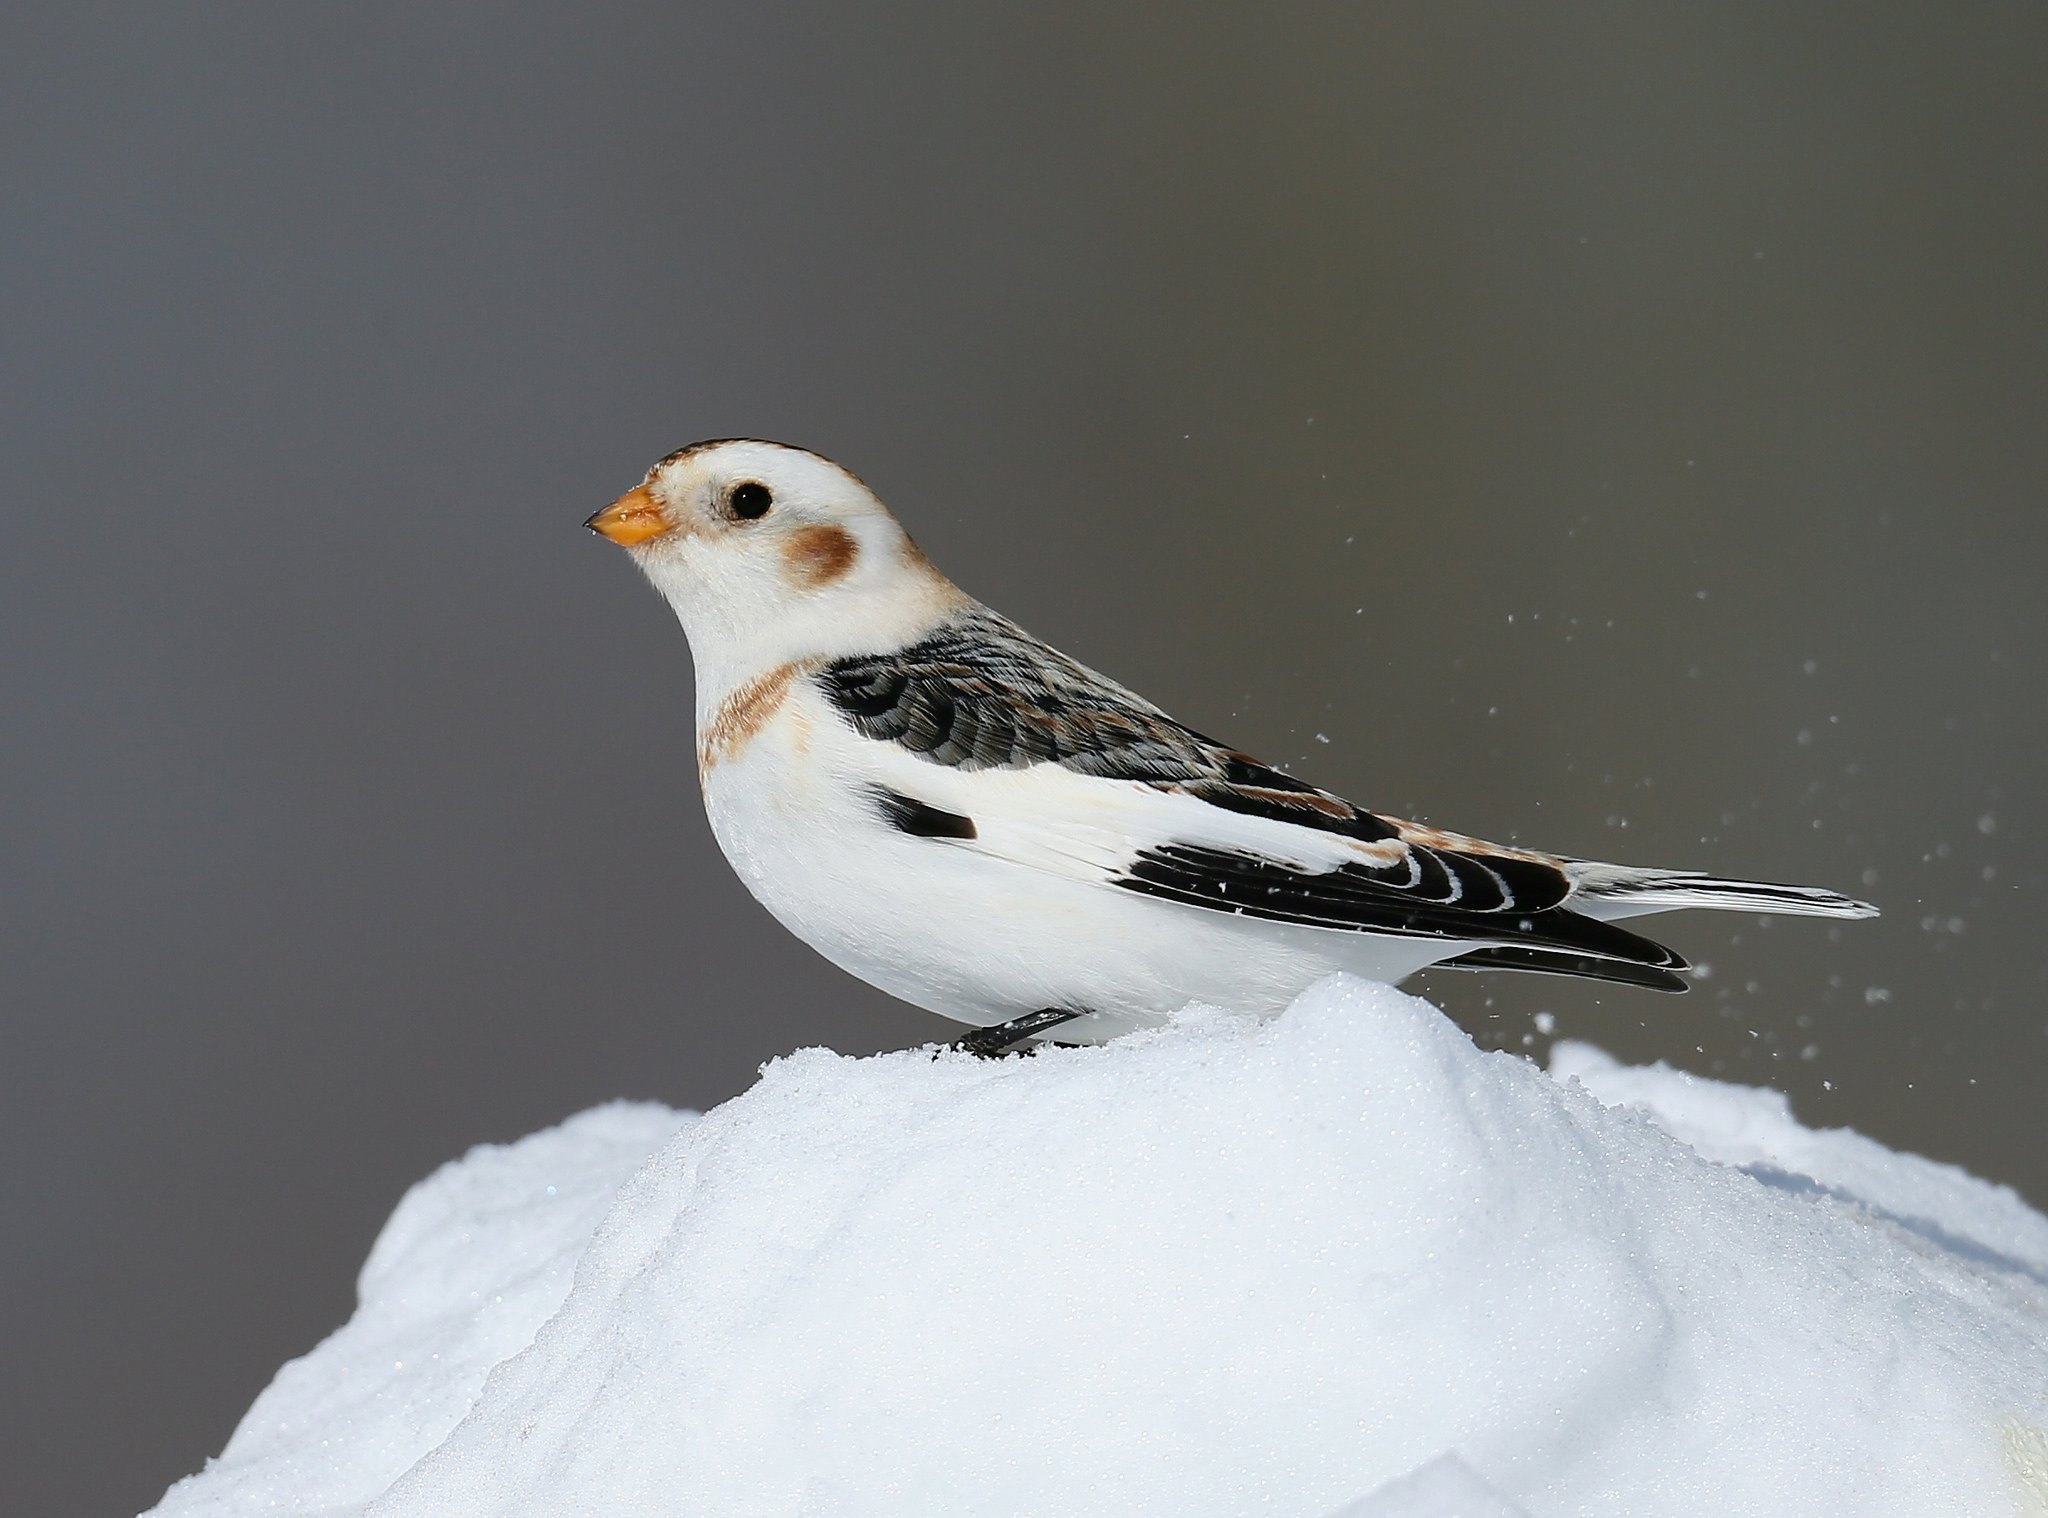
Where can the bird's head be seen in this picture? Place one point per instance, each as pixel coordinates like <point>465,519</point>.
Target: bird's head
<point>769,553</point>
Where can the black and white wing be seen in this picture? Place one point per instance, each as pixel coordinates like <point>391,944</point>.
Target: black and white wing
<point>1074,773</point>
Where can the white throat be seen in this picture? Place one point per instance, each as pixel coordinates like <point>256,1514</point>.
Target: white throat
<point>742,627</point>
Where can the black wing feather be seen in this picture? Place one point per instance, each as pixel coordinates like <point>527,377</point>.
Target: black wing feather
<point>980,693</point>
<point>1226,881</point>
<point>1029,704</point>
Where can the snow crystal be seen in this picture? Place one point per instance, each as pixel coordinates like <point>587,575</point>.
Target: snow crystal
<point>1339,1262</point>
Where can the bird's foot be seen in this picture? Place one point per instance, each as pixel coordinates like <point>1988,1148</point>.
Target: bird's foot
<point>1011,1037</point>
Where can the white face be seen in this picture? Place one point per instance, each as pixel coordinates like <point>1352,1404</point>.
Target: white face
<point>769,553</point>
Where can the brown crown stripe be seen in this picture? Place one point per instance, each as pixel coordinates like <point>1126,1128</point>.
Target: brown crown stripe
<point>690,449</point>
<point>719,442</point>
<point>816,556</point>
<point>741,715</point>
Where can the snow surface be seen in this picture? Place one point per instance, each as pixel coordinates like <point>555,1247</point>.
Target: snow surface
<point>1340,1262</point>
<point>1445,1488</point>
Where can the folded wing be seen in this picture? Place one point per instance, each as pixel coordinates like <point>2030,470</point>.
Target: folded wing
<point>1074,774</point>
<point>1077,775</point>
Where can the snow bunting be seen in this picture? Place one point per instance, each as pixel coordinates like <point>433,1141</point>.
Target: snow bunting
<point>972,821</point>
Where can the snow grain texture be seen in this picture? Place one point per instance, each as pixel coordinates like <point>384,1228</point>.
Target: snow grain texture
<point>1444,1488</point>
<point>1753,1129</point>
<point>1227,1267</point>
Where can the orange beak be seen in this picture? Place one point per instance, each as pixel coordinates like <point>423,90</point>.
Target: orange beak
<point>633,518</point>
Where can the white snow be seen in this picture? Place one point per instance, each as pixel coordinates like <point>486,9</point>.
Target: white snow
<point>1445,1488</point>
<point>1341,1262</point>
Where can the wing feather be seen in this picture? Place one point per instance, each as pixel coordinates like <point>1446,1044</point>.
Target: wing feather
<point>980,694</point>
<point>1171,845</point>
<point>1101,785</point>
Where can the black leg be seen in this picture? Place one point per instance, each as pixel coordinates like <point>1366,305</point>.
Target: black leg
<point>1009,1038</point>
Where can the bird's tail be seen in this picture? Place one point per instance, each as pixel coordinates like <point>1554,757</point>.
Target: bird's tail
<point>1608,891</point>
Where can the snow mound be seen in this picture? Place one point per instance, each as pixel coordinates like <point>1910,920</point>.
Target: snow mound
<point>1336,1262</point>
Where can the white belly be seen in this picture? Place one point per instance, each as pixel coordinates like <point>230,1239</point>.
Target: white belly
<point>980,939</point>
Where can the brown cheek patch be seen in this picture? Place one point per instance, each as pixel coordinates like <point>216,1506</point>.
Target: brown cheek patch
<point>743,714</point>
<point>816,556</point>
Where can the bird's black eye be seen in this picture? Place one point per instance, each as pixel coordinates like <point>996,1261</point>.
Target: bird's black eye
<point>750,501</point>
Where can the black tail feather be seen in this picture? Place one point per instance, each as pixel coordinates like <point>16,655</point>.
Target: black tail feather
<point>1552,962</point>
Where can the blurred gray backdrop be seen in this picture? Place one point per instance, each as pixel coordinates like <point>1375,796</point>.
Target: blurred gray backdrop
<point>1614,427</point>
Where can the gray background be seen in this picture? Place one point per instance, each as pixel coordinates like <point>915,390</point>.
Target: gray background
<point>1617,427</point>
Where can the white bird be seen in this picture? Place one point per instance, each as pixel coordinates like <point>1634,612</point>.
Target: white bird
<point>967,818</point>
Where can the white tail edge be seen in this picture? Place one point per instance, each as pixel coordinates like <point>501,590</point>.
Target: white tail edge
<point>1609,891</point>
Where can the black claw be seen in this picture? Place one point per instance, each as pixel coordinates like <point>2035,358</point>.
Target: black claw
<point>1010,1038</point>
